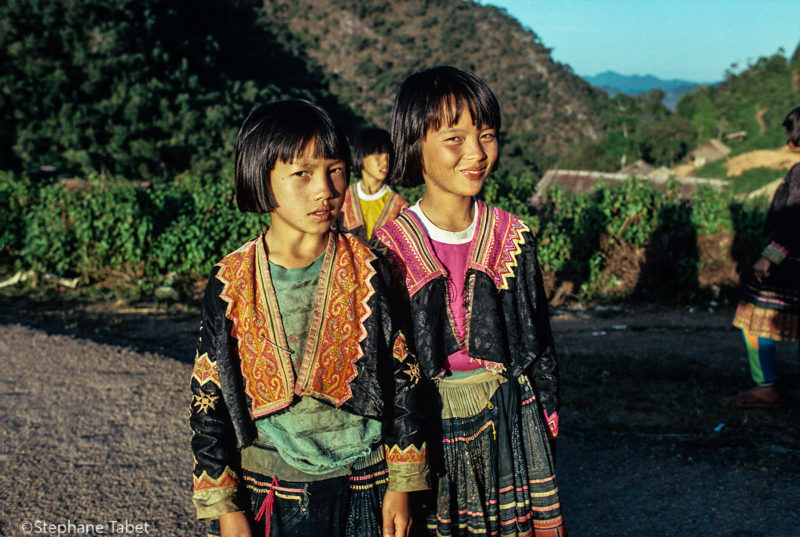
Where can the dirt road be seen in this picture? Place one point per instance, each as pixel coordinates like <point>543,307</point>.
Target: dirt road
<point>95,433</point>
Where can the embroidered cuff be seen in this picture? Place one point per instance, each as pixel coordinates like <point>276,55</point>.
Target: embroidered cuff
<point>211,504</point>
<point>775,252</point>
<point>408,477</point>
<point>408,468</point>
<point>215,497</point>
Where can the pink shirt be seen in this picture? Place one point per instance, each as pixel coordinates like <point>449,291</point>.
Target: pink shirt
<point>453,249</point>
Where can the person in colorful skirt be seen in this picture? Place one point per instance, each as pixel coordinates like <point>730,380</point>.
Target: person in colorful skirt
<point>479,314</point>
<point>304,412</point>
<point>369,203</point>
<point>769,309</point>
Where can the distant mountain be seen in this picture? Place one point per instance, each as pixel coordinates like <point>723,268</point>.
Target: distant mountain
<point>635,84</point>
<point>613,83</point>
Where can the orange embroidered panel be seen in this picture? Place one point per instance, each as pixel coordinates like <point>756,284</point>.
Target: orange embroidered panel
<point>205,482</point>
<point>412,454</point>
<point>348,287</point>
<point>254,329</point>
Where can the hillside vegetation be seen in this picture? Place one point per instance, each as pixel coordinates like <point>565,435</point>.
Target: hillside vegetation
<point>143,99</point>
<point>147,89</point>
<point>368,48</point>
<point>754,100</point>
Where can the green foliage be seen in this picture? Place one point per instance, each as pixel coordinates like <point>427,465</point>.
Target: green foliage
<point>753,179</point>
<point>754,100</point>
<point>578,233</point>
<point>15,199</point>
<point>85,231</point>
<point>666,141</point>
<point>711,211</point>
<point>204,225</point>
<point>139,89</point>
<point>185,226</point>
<point>182,227</point>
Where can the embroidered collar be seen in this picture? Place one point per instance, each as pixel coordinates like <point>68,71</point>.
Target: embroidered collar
<point>494,250</point>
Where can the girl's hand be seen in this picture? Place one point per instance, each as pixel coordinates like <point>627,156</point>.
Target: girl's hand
<point>234,525</point>
<point>761,268</point>
<point>396,514</point>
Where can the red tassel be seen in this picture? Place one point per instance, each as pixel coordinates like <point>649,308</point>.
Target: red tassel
<point>266,506</point>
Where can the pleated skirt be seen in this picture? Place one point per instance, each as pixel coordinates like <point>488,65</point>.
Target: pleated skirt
<point>498,473</point>
<point>771,309</point>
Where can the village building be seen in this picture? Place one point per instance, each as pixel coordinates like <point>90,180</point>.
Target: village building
<point>638,168</point>
<point>710,151</point>
<point>583,181</point>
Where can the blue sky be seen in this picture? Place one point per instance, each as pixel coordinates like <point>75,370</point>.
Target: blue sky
<point>690,40</point>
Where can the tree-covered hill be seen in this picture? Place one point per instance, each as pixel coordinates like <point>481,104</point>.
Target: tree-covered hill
<point>755,100</point>
<point>147,89</point>
<point>368,47</point>
<point>142,89</point>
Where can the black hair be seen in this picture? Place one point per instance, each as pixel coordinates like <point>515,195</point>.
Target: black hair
<point>279,131</point>
<point>792,126</point>
<point>427,100</point>
<point>368,142</point>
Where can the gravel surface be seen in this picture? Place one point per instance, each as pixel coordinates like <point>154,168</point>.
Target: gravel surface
<point>95,433</point>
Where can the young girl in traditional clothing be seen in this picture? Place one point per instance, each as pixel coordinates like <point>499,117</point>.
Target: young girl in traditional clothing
<point>769,310</point>
<point>369,203</point>
<point>479,310</point>
<point>303,410</point>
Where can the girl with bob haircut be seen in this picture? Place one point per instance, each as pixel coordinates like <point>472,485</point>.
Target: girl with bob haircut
<point>479,314</point>
<point>369,203</point>
<point>769,309</point>
<point>304,410</point>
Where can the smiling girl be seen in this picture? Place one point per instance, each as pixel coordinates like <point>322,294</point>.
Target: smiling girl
<point>480,315</point>
<point>304,411</point>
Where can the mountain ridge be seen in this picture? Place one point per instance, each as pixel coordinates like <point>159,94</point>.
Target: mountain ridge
<point>613,82</point>
<point>369,48</point>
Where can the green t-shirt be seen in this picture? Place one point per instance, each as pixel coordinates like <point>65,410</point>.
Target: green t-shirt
<point>311,436</point>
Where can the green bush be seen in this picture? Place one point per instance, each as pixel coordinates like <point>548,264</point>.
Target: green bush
<point>181,227</point>
<point>185,226</point>
<point>577,232</point>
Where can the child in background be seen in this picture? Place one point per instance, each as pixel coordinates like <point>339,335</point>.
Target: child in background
<point>480,315</point>
<point>769,310</point>
<point>303,392</point>
<point>369,203</point>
